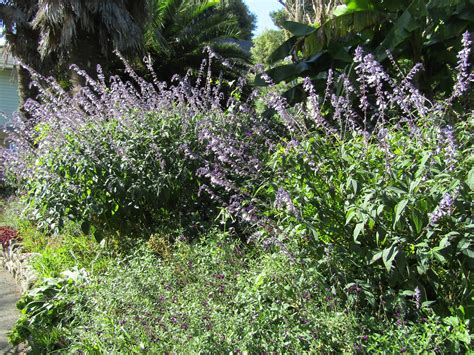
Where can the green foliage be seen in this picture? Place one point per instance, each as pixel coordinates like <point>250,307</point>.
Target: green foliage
<point>218,295</point>
<point>417,31</point>
<point>430,334</point>
<point>394,210</point>
<point>245,18</point>
<point>44,312</point>
<point>66,251</point>
<point>356,210</point>
<point>265,44</point>
<point>179,32</point>
<point>279,17</point>
<point>115,177</point>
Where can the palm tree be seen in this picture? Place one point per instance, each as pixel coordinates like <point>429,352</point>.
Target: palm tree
<point>180,30</point>
<point>86,32</point>
<point>47,34</point>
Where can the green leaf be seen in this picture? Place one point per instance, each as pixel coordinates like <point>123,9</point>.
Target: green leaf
<point>283,51</point>
<point>444,243</point>
<point>417,219</point>
<point>397,190</point>
<point>470,179</point>
<point>281,73</point>
<point>313,45</point>
<point>350,215</point>
<point>357,230</point>
<point>409,21</point>
<point>376,257</point>
<point>298,29</point>
<point>388,256</point>
<point>352,6</point>
<point>86,227</point>
<point>399,210</point>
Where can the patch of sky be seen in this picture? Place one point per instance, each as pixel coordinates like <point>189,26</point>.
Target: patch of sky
<point>262,9</point>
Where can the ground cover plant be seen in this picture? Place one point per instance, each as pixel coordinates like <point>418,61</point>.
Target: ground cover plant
<point>216,295</point>
<point>349,215</point>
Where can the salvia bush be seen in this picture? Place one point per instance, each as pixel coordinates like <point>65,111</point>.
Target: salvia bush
<point>370,173</point>
<point>114,157</point>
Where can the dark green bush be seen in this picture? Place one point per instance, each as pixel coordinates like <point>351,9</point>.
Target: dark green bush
<point>115,174</point>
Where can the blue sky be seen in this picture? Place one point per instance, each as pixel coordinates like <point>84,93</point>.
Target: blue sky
<point>262,9</point>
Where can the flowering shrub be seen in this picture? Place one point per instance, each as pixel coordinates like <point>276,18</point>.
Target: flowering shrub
<point>370,174</point>
<point>374,173</point>
<point>114,157</point>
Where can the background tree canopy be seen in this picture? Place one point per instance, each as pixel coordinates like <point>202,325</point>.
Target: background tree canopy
<point>180,30</point>
<point>265,44</point>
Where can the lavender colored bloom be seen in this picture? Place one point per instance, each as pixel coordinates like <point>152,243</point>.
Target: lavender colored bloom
<point>444,208</point>
<point>464,74</point>
<point>417,297</point>
<point>447,140</point>
<point>283,200</point>
<point>358,347</point>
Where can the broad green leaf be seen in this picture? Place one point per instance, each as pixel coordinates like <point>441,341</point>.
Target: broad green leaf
<point>380,209</point>
<point>339,52</point>
<point>413,185</point>
<point>409,21</point>
<point>469,253</point>
<point>439,257</point>
<point>417,219</point>
<point>295,94</point>
<point>350,215</point>
<point>341,10</point>
<point>422,164</point>
<point>470,179</point>
<point>464,244</point>
<point>352,6</point>
<point>298,29</point>
<point>283,73</point>
<point>444,243</point>
<point>312,45</point>
<point>283,50</point>
<point>422,269</point>
<point>397,190</point>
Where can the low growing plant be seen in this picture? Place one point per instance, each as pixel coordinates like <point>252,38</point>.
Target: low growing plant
<point>219,295</point>
<point>44,312</point>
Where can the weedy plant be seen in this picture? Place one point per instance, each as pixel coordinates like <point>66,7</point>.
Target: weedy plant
<point>44,311</point>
